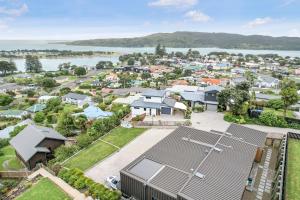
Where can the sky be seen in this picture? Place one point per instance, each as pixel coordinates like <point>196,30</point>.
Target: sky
<point>90,19</point>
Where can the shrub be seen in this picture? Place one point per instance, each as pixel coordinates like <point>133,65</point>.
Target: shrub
<point>198,108</point>
<point>64,152</point>
<point>188,114</point>
<point>76,178</point>
<point>269,118</point>
<point>275,104</point>
<point>39,117</point>
<point>229,117</point>
<point>139,118</point>
<point>84,140</point>
<point>17,130</point>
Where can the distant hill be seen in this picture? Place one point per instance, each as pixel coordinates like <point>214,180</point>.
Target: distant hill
<point>198,39</point>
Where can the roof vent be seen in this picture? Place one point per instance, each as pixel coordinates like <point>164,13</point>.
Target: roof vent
<point>229,134</point>
<point>218,149</point>
<point>201,176</point>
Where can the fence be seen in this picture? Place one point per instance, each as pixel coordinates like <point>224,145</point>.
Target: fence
<point>14,174</point>
<point>162,123</point>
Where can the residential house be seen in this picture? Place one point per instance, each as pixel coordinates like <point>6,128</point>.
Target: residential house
<point>213,81</point>
<point>36,144</point>
<point>77,99</point>
<point>264,81</point>
<point>36,108</point>
<point>112,78</point>
<point>10,87</point>
<point>93,112</point>
<point>18,114</point>
<point>153,102</point>
<point>206,97</point>
<point>45,98</point>
<point>191,164</point>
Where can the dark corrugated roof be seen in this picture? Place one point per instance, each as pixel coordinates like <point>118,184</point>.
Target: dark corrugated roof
<point>225,161</point>
<point>27,141</point>
<point>75,96</point>
<point>247,134</point>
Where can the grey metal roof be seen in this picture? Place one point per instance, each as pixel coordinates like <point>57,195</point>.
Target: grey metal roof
<point>143,104</point>
<point>193,96</point>
<point>154,93</point>
<point>262,96</point>
<point>75,96</point>
<point>225,172</point>
<point>145,169</point>
<point>225,160</point>
<point>213,88</point>
<point>169,102</point>
<point>27,141</point>
<point>248,134</point>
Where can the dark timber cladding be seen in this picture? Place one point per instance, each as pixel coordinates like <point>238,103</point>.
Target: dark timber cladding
<point>192,164</point>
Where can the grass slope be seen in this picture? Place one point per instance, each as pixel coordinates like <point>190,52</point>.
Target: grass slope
<point>293,170</point>
<point>44,189</point>
<point>100,150</point>
<point>10,157</point>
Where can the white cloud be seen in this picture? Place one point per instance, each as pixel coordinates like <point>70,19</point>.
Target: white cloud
<point>294,32</point>
<point>3,25</point>
<point>173,3</point>
<point>258,22</point>
<point>287,2</point>
<point>197,16</point>
<point>14,12</point>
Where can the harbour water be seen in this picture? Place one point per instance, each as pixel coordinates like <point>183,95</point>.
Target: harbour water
<point>52,64</point>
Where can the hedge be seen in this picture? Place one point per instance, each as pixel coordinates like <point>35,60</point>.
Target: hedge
<point>75,177</point>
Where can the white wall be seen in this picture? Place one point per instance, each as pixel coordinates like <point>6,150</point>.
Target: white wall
<point>141,111</point>
<point>153,99</point>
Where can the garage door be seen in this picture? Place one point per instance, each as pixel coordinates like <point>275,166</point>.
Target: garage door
<point>211,107</point>
<point>166,110</point>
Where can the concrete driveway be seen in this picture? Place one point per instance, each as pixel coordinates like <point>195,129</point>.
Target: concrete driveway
<point>117,161</point>
<point>209,120</point>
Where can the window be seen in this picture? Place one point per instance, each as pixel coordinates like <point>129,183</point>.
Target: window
<point>136,108</point>
<point>145,109</point>
<point>154,198</point>
<point>148,97</point>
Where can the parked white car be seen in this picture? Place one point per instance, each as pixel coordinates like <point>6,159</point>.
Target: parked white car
<point>112,182</point>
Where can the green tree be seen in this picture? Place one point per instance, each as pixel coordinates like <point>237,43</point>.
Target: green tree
<point>48,83</point>
<point>250,77</point>
<point>288,93</point>
<point>130,61</point>
<point>80,122</point>
<point>80,71</point>
<point>160,50</point>
<point>39,117</point>
<point>4,67</point>
<point>145,75</point>
<point>65,124</point>
<point>33,64</point>
<point>5,99</point>
<point>53,103</point>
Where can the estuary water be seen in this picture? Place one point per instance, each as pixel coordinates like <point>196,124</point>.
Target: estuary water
<point>52,64</point>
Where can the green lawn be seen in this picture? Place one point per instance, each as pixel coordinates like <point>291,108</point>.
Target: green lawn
<point>100,150</point>
<point>293,170</point>
<point>9,157</point>
<point>44,189</point>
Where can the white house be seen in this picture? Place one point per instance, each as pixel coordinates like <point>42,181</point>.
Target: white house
<point>77,99</point>
<point>153,102</point>
<point>267,82</point>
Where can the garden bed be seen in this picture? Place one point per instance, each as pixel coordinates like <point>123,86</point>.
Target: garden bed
<point>9,161</point>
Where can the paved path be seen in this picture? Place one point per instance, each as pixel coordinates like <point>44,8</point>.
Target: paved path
<point>73,193</point>
<point>117,161</point>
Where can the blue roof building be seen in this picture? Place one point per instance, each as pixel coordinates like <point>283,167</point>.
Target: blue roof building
<point>93,112</point>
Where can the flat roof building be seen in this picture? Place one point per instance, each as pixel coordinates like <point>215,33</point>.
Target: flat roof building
<point>191,164</point>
